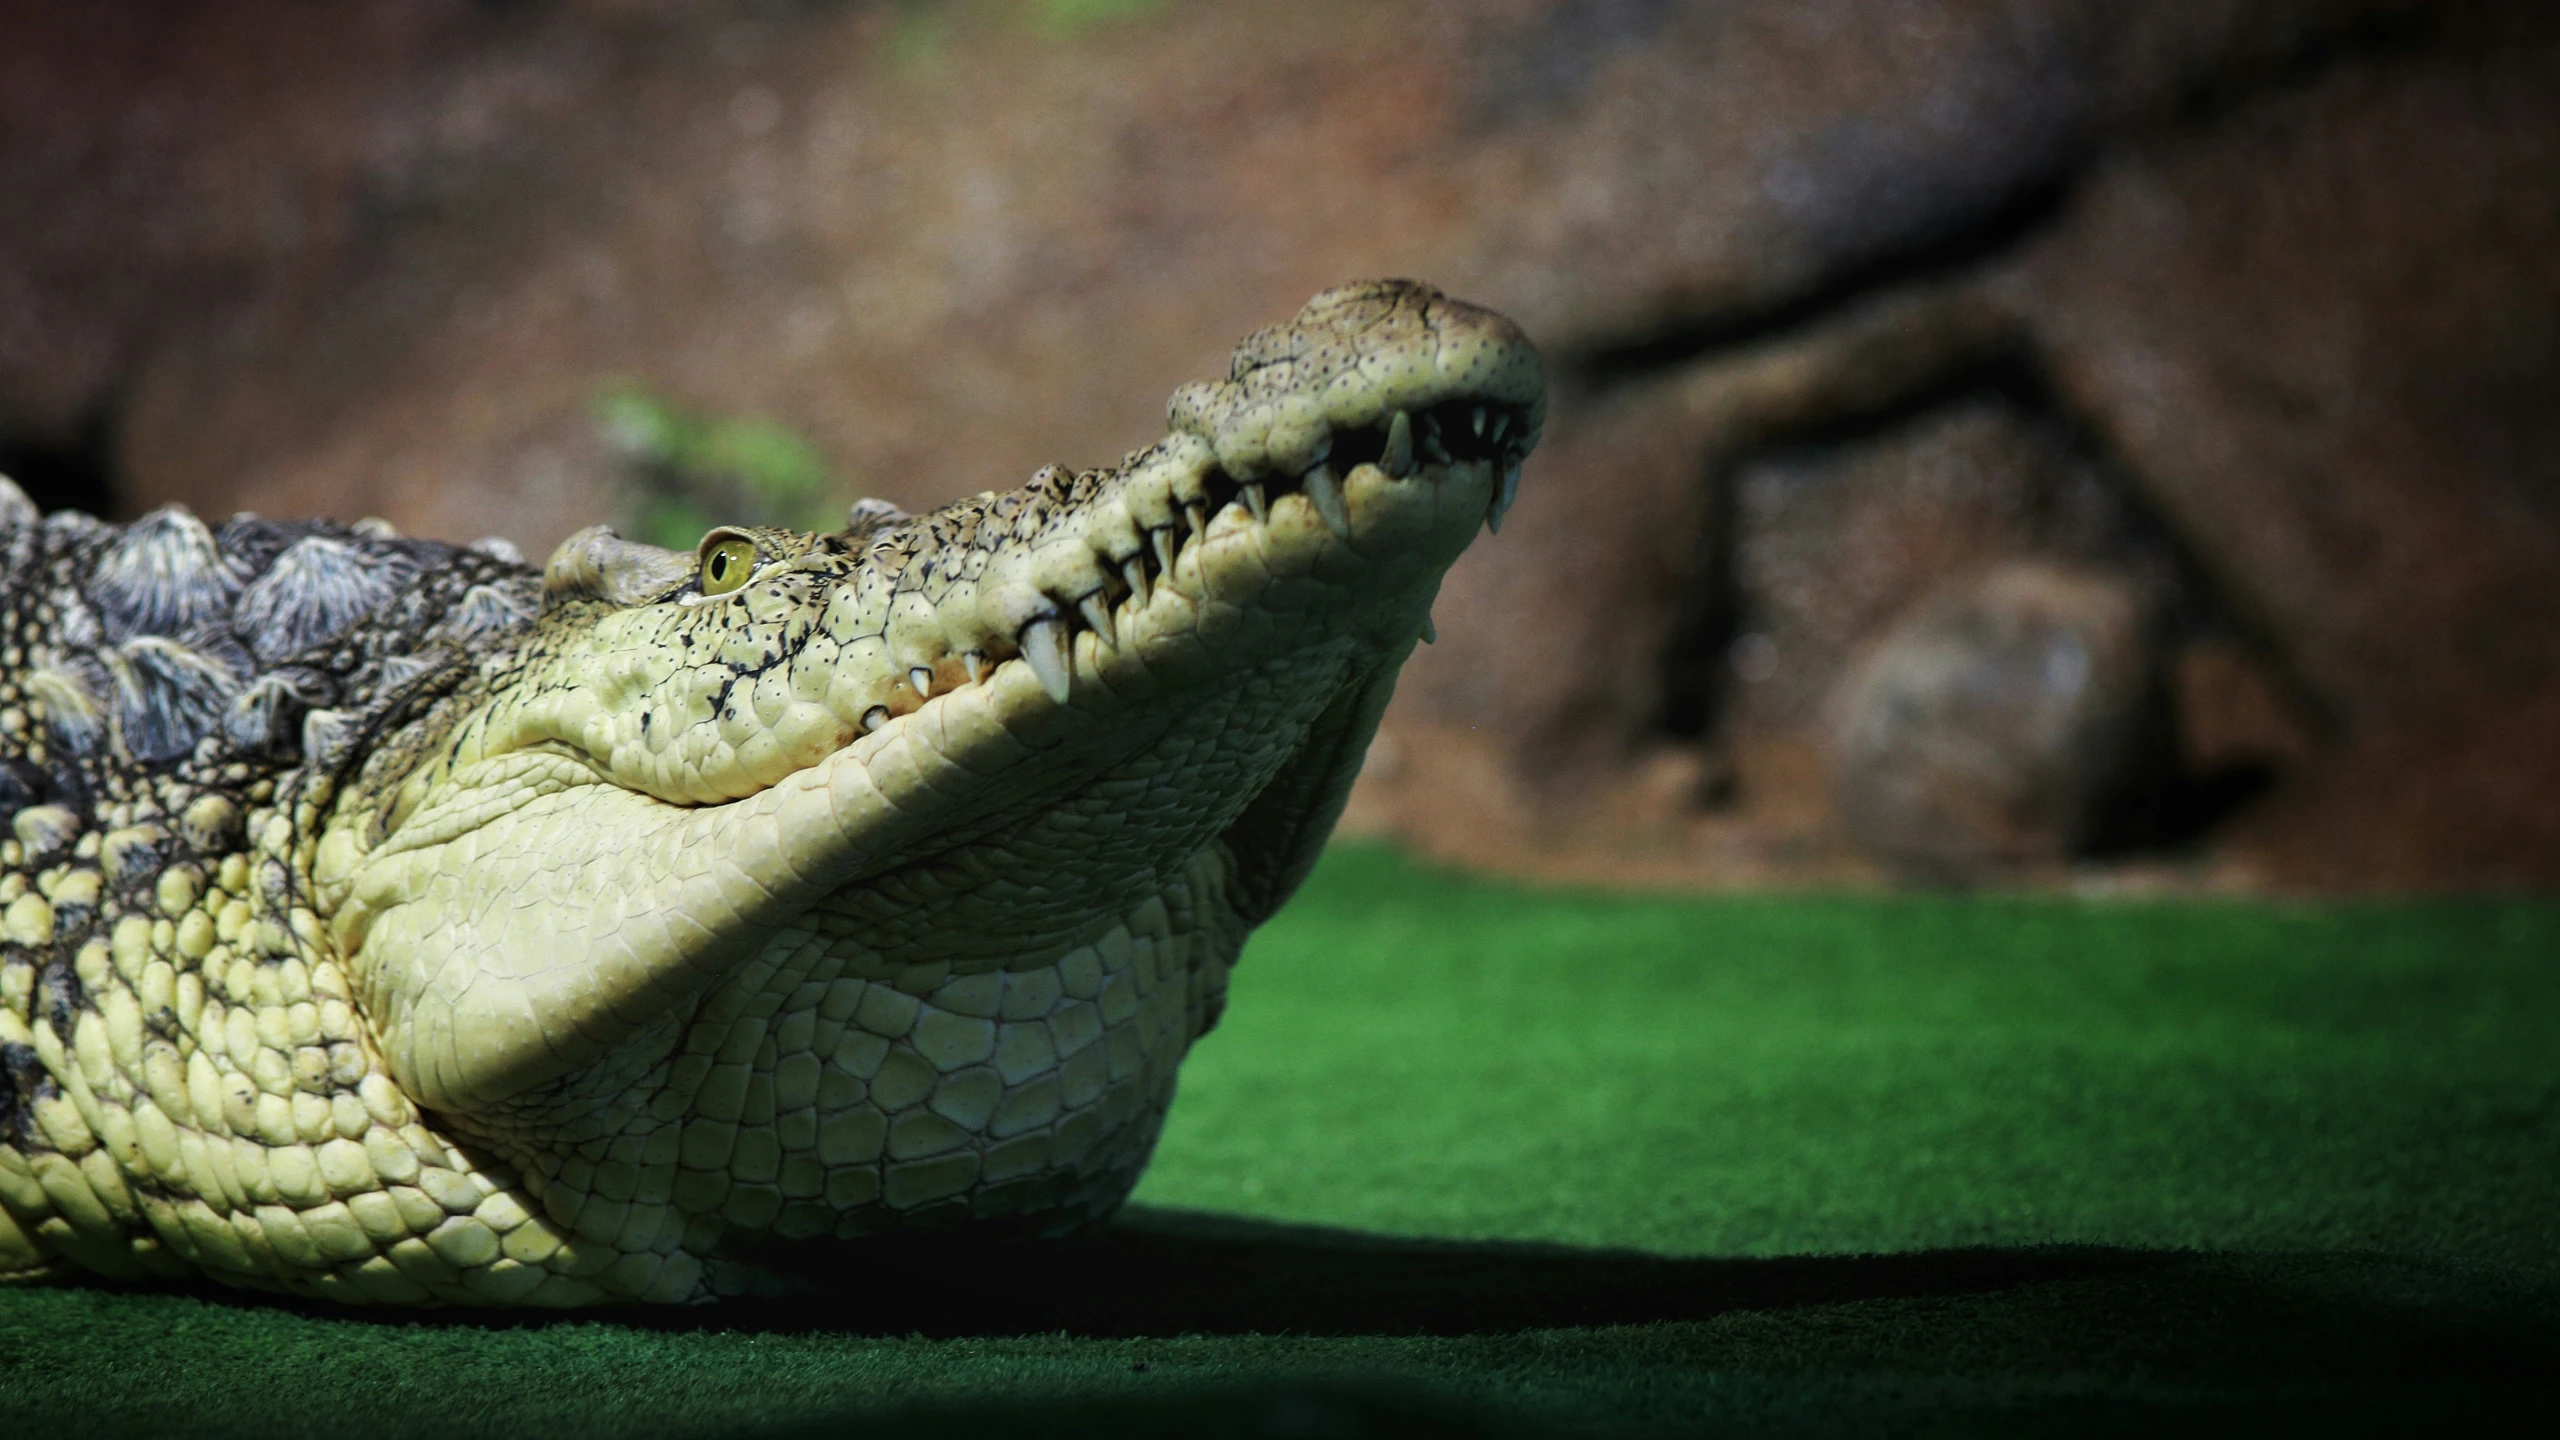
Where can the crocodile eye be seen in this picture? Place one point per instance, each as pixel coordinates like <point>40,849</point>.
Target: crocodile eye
<point>727,565</point>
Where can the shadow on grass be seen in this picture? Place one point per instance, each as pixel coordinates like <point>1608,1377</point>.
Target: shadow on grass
<point>1278,1330</point>
<point>1176,1272</point>
<point>2034,1340</point>
<point>2201,1316</point>
<point>1159,1273</point>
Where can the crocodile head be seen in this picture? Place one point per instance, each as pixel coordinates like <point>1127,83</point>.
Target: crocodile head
<point>882,877</point>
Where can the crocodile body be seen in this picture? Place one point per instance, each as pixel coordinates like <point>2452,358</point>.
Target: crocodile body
<point>395,923</point>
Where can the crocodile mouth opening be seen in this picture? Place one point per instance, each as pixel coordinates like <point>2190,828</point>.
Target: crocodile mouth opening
<point>1455,432</point>
<point>1360,491</point>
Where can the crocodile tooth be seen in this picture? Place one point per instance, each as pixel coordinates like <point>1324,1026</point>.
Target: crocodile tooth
<point>874,718</point>
<point>1430,632</point>
<point>976,663</point>
<point>1475,417</point>
<point>1134,570</point>
<point>1432,447</point>
<point>1502,497</point>
<point>1198,518</point>
<point>1098,615</point>
<point>1044,649</point>
<point>1256,501</point>
<point>1324,488</point>
<point>1163,538</point>
<point>1397,458</point>
<point>922,679</point>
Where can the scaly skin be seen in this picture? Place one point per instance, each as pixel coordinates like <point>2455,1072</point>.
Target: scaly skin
<point>385,922</point>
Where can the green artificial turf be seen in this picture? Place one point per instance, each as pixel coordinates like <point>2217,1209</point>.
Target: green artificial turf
<point>1467,1157</point>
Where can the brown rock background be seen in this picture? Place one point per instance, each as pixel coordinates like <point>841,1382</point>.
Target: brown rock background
<point>1845,304</point>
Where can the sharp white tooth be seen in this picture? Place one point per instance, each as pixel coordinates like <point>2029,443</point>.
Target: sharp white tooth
<point>1197,518</point>
<point>874,718</point>
<point>922,679</point>
<point>1432,448</point>
<point>1503,495</point>
<point>1163,538</point>
<point>976,663</point>
<point>1134,570</point>
<point>1501,427</point>
<point>1475,417</point>
<point>1044,649</point>
<point>1397,458</point>
<point>1324,489</point>
<point>1256,501</point>
<point>1430,632</point>
<point>1098,615</point>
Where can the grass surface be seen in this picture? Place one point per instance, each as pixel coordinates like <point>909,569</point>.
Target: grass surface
<point>1466,1157</point>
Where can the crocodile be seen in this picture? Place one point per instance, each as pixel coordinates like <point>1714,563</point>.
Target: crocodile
<point>389,922</point>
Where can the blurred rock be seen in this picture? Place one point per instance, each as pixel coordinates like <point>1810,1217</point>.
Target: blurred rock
<point>2233,714</point>
<point>1835,542</point>
<point>2324,330</point>
<point>1996,726</point>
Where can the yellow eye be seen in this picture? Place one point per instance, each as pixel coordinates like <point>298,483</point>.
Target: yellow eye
<point>727,565</point>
